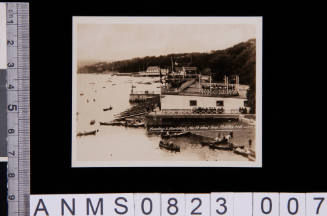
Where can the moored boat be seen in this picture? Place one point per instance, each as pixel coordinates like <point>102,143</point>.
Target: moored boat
<point>245,152</point>
<point>169,146</point>
<point>226,146</point>
<point>176,134</point>
<point>135,124</point>
<point>114,123</point>
<point>106,109</point>
<point>213,142</point>
<point>87,133</point>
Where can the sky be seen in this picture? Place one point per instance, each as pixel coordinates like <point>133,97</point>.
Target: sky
<point>111,42</point>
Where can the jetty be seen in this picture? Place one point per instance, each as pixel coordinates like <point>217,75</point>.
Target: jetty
<point>142,96</point>
<point>162,119</point>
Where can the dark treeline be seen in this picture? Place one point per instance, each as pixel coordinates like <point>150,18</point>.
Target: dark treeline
<point>237,60</point>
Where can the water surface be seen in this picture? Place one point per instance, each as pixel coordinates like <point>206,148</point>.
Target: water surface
<point>115,143</point>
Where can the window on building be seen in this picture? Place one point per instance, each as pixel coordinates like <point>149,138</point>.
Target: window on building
<point>193,103</point>
<point>220,103</point>
<point>246,103</point>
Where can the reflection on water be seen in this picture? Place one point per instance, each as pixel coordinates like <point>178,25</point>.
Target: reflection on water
<point>114,143</point>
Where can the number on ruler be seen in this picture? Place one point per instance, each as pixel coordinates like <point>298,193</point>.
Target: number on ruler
<point>263,209</point>
<point>321,199</point>
<point>222,204</point>
<point>292,204</point>
<point>289,203</point>
<point>10,64</point>
<point>12,107</point>
<point>147,204</point>
<point>265,204</point>
<point>193,212</point>
<point>172,206</point>
<point>11,197</point>
<point>10,86</point>
<point>10,42</point>
<point>11,175</point>
<point>197,204</point>
<point>316,204</point>
<point>143,204</point>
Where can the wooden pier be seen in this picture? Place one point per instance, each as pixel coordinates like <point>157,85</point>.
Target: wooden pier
<point>142,96</point>
<point>173,119</point>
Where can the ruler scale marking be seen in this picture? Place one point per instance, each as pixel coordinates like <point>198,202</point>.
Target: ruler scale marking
<point>18,99</point>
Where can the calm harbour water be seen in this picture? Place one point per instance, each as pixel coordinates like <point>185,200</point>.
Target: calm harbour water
<point>115,143</point>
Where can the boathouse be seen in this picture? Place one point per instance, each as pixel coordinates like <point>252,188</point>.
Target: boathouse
<point>194,96</point>
<point>189,103</point>
<point>153,71</point>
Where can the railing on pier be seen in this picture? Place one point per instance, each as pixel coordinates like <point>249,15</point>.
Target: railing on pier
<point>197,111</point>
<point>219,92</point>
<point>144,92</point>
<point>177,111</point>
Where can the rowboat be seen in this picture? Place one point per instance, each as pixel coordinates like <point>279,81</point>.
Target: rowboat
<point>169,146</point>
<point>87,133</point>
<point>213,142</point>
<point>226,147</point>
<point>106,109</point>
<point>245,152</point>
<point>114,123</point>
<point>139,124</point>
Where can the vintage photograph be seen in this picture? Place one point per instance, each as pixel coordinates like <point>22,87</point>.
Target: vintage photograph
<point>167,92</point>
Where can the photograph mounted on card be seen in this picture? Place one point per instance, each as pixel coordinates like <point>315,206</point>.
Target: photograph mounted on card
<point>167,92</point>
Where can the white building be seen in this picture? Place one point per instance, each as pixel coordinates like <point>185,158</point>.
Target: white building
<point>194,96</point>
<point>153,71</point>
<point>164,71</point>
<point>187,103</point>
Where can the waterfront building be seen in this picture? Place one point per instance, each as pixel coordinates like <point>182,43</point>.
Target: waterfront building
<point>192,95</point>
<point>153,71</point>
<point>188,99</point>
<point>164,71</point>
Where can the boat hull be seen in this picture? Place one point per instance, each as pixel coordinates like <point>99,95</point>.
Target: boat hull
<point>225,147</point>
<point>87,133</point>
<point>169,147</point>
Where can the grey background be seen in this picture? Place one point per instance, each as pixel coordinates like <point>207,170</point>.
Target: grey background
<point>3,114</point>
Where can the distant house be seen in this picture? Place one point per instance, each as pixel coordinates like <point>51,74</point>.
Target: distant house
<point>164,71</point>
<point>153,71</point>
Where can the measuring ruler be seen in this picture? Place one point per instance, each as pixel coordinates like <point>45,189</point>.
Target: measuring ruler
<point>18,108</point>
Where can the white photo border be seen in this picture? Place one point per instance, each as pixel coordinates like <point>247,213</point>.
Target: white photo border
<point>257,20</point>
